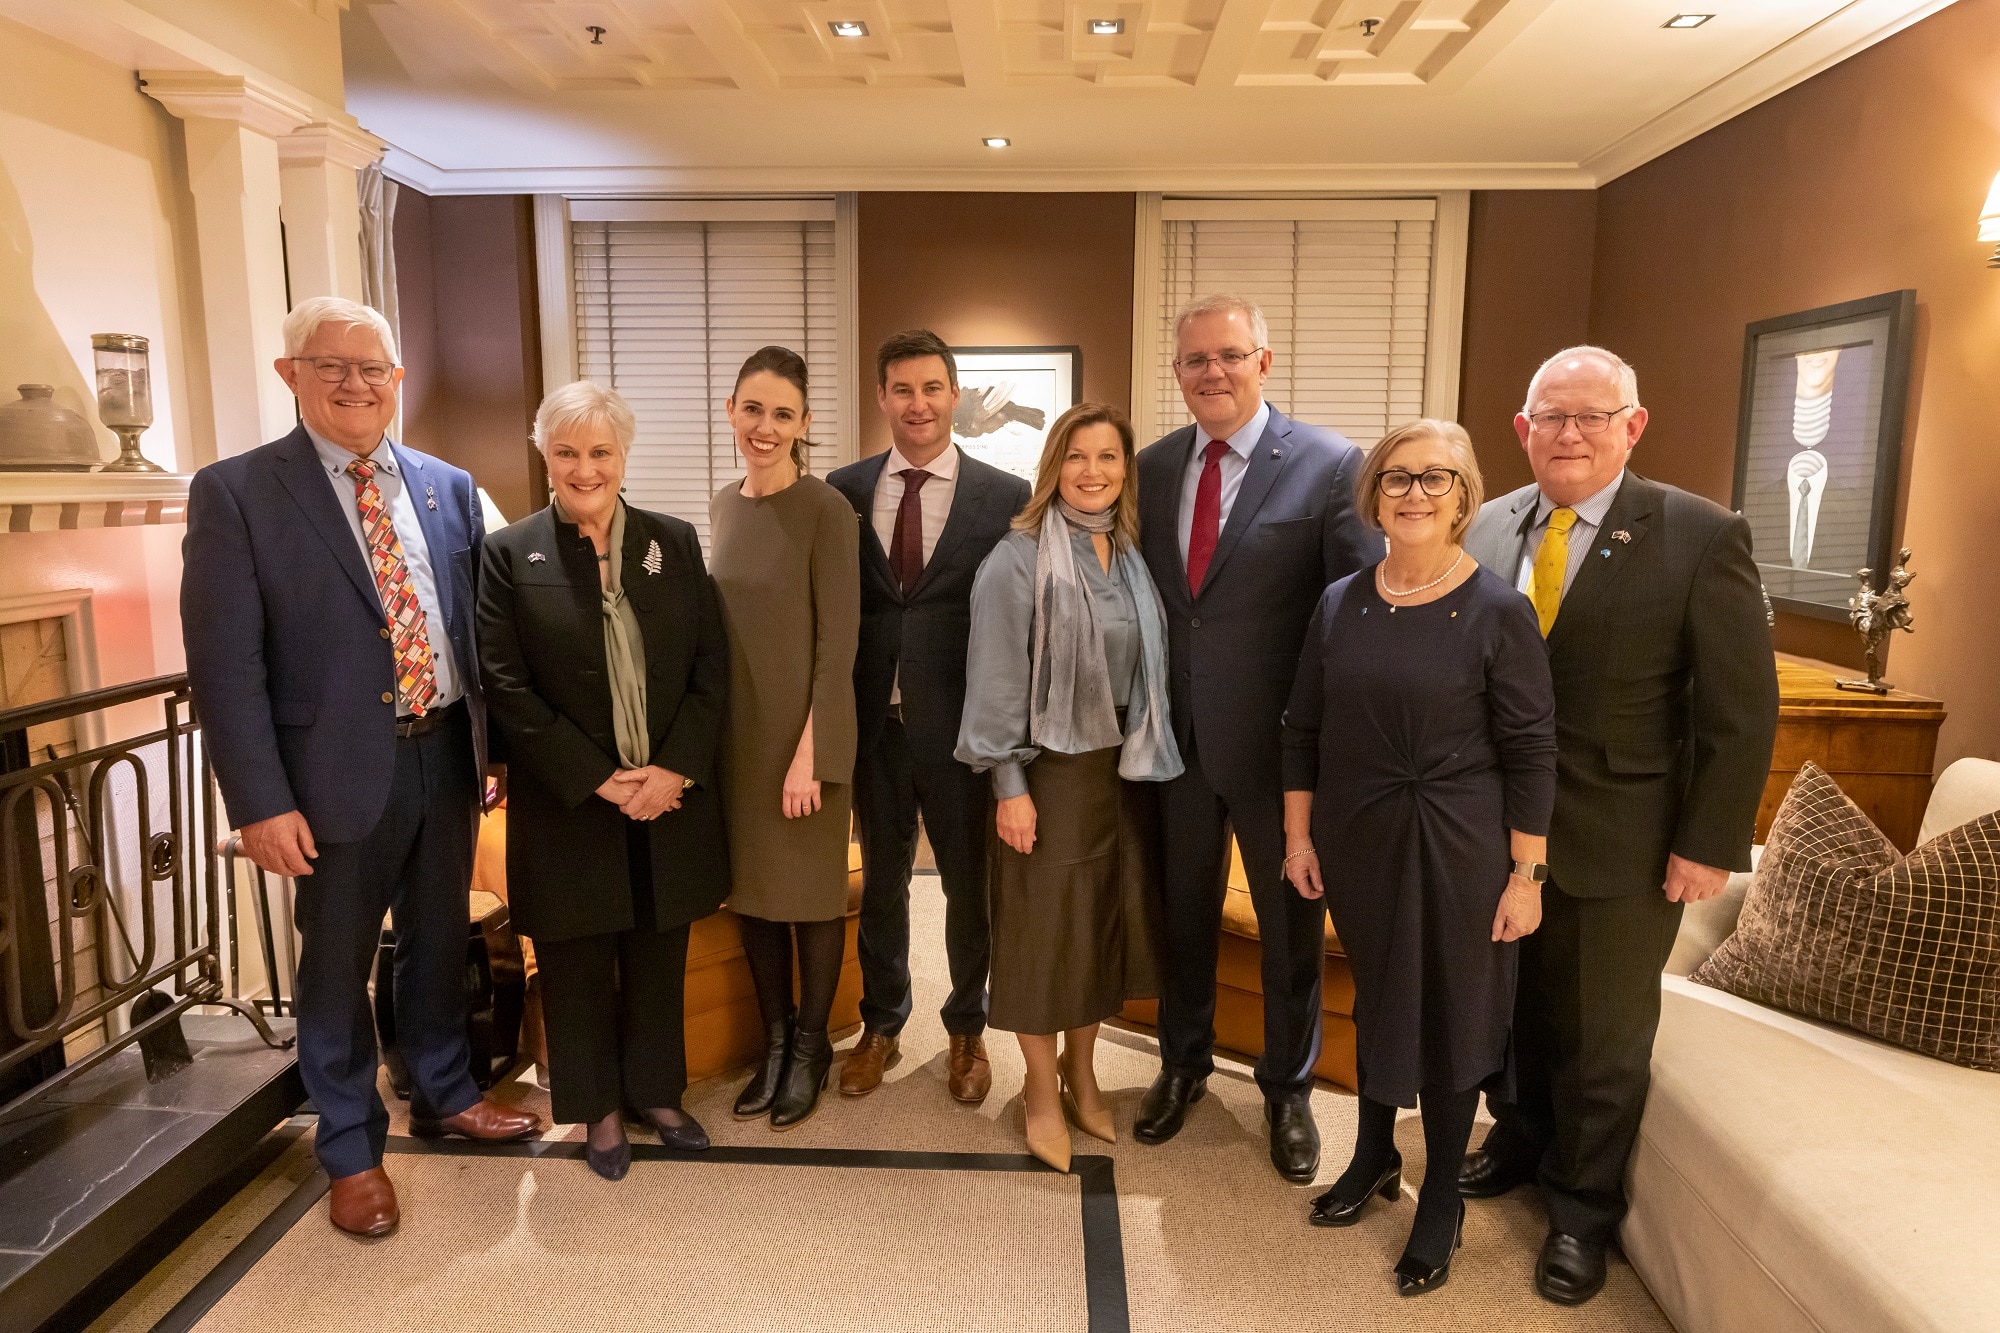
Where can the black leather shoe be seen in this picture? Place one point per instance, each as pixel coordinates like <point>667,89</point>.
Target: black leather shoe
<point>1486,1175</point>
<point>687,1136</point>
<point>612,1163</point>
<point>1414,1277</point>
<point>1570,1270</point>
<point>805,1076</point>
<point>755,1099</point>
<point>1330,1210</point>
<point>1164,1108</point>
<point>1294,1140</point>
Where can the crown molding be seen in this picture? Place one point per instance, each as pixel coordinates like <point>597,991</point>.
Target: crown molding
<point>330,142</point>
<point>237,98</point>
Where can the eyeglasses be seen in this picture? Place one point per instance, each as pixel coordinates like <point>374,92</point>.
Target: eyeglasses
<point>333,369</point>
<point>1195,365</point>
<point>1395,482</point>
<point>1590,423</point>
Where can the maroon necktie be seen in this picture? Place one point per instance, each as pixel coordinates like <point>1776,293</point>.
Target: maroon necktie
<point>1207,526</point>
<point>906,547</point>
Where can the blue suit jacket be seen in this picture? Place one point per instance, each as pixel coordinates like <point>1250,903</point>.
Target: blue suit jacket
<point>292,674</point>
<point>1234,649</point>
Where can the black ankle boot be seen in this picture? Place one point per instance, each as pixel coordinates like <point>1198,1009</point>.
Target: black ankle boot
<point>757,1095</point>
<point>798,1091</point>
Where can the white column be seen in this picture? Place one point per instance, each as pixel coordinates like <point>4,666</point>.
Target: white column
<point>321,208</point>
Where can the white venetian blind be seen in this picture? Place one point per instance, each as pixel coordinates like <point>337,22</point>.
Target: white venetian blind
<point>666,311</point>
<point>1344,284</point>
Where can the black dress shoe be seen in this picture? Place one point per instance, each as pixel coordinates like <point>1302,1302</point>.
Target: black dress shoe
<point>687,1136</point>
<point>755,1099</point>
<point>1294,1140</point>
<point>612,1163</point>
<point>1570,1270</point>
<point>1330,1210</point>
<point>1414,1277</point>
<point>809,1071</point>
<point>1486,1175</point>
<point>1164,1108</point>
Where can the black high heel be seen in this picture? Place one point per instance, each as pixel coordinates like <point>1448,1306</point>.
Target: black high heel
<point>611,1163</point>
<point>810,1069</point>
<point>1414,1277</point>
<point>755,1100</point>
<point>1330,1210</point>
<point>687,1136</point>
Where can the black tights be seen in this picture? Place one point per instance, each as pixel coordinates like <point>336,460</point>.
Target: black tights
<point>1447,1130</point>
<point>767,946</point>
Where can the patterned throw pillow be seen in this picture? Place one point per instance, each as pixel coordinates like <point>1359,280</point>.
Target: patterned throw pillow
<point>1837,926</point>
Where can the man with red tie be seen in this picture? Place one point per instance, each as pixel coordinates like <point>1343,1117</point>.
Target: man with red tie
<point>327,608</point>
<point>1245,517</point>
<point>929,515</point>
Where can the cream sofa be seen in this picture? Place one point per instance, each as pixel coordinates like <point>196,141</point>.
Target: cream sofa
<point>1793,1175</point>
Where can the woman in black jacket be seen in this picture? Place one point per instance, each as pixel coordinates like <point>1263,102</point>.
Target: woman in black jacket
<point>603,652</point>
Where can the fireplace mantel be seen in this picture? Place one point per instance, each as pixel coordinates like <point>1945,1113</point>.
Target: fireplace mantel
<point>66,501</point>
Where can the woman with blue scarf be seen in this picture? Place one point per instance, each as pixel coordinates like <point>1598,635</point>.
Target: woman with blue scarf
<point>1066,706</point>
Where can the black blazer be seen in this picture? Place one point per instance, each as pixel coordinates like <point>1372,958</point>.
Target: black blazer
<point>1666,687</point>
<point>541,650</point>
<point>926,634</point>
<point>1233,651</point>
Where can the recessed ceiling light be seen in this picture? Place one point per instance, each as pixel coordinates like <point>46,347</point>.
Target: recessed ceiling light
<point>996,142</point>
<point>1106,27</point>
<point>848,28</point>
<point>1687,20</point>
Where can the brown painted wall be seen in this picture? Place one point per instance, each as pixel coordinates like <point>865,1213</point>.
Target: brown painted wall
<point>998,270</point>
<point>1864,179</point>
<point>465,274</point>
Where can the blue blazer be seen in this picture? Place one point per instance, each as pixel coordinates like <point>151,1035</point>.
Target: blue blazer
<point>292,674</point>
<point>1234,649</point>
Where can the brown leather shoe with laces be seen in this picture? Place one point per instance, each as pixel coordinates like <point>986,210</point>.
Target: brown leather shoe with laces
<point>971,1076</point>
<point>861,1071</point>
<point>485,1120</point>
<point>364,1204</point>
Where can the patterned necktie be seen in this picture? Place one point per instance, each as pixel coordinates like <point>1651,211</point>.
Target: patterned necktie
<point>1551,562</point>
<point>1206,529</point>
<point>1802,526</point>
<point>906,546</point>
<point>416,675</point>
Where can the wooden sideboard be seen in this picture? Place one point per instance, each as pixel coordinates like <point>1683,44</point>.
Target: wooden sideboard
<point>1878,747</point>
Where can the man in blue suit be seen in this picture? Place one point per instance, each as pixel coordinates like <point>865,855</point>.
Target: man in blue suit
<point>1245,517</point>
<point>327,606</point>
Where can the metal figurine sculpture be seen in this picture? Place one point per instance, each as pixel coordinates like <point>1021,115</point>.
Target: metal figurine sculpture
<point>1876,615</point>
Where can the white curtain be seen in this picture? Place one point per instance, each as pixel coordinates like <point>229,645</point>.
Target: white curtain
<point>378,253</point>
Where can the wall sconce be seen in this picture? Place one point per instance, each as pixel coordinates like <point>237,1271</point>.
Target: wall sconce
<point>1989,222</point>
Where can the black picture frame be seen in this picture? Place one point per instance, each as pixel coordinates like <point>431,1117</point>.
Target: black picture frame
<point>1051,375</point>
<point>1819,447</point>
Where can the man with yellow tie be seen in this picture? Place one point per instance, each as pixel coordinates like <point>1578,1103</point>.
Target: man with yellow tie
<point>1666,708</point>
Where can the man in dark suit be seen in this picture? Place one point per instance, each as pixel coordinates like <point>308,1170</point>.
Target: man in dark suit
<point>929,514</point>
<point>327,606</point>
<point>1666,707</point>
<point>1245,517</point>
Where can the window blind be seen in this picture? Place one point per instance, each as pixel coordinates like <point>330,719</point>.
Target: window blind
<point>1348,301</point>
<point>665,313</point>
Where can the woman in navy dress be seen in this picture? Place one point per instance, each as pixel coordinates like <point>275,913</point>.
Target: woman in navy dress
<point>1420,771</point>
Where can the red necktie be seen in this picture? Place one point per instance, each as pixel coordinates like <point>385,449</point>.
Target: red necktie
<point>1207,526</point>
<point>906,547</point>
<point>416,676</point>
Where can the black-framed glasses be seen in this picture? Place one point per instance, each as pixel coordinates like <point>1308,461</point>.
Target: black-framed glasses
<point>1195,365</point>
<point>1590,423</point>
<point>333,369</point>
<point>1395,482</point>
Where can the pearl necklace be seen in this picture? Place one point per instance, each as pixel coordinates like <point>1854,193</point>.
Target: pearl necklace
<point>1382,580</point>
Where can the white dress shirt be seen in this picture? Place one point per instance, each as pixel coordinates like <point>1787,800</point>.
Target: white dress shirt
<point>933,501</point>
<point>1589,517</point>
<point>416,551</point>
<point>1232,466</point>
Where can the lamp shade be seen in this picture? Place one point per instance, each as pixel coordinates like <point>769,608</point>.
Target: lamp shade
<point>1989,216</point>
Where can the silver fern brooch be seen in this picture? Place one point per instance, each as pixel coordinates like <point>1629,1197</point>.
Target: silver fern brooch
<point>651,564</point>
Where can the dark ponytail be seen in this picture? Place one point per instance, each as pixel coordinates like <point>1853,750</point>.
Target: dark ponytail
<point>789,366</point>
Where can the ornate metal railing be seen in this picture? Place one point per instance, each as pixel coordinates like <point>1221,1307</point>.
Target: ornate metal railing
<point>118,841</point>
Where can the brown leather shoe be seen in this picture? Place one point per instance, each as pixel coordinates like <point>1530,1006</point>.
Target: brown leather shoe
<point>485,1120</point>
<point>971,1075</point>
<point>861,1071</point>
<point>364,1204</point>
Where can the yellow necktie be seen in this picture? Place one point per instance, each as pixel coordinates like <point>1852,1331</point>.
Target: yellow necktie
<point>1551,560</point>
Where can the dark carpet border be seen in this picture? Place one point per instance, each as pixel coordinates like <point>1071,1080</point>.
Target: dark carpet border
<point>1103,1239</point>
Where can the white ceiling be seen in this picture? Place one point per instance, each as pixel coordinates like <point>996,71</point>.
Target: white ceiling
<point>758,95</point>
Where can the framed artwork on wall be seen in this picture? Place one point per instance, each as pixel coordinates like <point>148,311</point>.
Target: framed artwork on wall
<point>1008,397</point>
<point>1819,446</point>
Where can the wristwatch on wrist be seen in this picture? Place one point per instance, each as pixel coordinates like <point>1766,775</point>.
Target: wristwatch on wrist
<point>1538,871</point>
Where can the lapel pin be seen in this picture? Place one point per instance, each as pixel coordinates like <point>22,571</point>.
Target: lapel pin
<point>536,557</point>
<point>651,564</point>
<point>430,497</point>
<point>1606,552</point>
<point>1276,454</point>
<point>1621,536</point>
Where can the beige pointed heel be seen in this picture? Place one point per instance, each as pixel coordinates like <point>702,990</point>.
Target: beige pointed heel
<point>1051,1146</point>
<point>1099,1125</point>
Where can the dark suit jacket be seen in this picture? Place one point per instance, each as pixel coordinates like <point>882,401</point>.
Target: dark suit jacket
<point>287,652</point>
<point>1666,687</point>
<point>1234,650</point>
<point>541,650</point>
<point>927,633</point>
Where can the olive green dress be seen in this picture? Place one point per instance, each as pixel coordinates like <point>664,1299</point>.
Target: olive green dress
<point>788,568</point>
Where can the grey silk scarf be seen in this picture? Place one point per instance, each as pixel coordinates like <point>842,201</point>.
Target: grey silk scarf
<point>1069,698</point>
<point>624,654</point>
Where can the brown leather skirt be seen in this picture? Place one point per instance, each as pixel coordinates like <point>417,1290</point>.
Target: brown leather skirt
<point>1074,922</point>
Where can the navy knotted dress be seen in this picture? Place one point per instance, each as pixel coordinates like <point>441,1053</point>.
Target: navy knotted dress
<point>1425,733</point>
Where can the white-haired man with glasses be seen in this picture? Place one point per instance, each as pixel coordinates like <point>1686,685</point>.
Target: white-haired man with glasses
<point>1666,708</point>
<point>327,610</point>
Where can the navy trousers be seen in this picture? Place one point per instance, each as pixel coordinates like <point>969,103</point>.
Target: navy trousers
<point>416,865</point>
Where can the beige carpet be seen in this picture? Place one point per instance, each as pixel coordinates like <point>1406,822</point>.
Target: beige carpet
<point>1212,1238</point>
